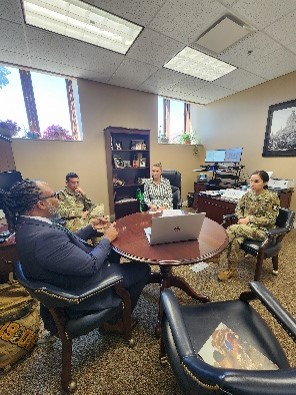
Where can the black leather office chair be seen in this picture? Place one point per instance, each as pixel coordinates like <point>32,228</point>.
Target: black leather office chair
<point>174,177</point>
<point>271,246</point>
<point>185,330</point>
<point>68,326</point>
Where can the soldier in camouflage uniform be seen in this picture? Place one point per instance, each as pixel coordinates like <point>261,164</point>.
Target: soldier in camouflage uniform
<point>257,212</point>
<point>75,208</point>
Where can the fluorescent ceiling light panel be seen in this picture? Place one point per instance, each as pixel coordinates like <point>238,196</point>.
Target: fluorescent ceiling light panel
<point>197,64</point>
<point>83,22</point>
<point>221,36</point>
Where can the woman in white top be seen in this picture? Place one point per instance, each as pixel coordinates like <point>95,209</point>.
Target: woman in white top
<point>157,190</point>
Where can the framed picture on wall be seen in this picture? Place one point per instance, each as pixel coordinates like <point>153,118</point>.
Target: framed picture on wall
<point>280,135</point>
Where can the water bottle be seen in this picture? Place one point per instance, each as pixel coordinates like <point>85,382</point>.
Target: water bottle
<point>140,198</point>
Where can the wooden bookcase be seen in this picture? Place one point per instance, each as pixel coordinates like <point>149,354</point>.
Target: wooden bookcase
<point>128,163</point>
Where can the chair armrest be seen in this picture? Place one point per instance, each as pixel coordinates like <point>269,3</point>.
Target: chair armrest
<point>177,325</point>
<point>275,308</point>
<point>39,288</point>
<point>276,232</point>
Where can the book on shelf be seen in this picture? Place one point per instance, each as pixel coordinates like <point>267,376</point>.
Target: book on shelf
<point>226,349</point>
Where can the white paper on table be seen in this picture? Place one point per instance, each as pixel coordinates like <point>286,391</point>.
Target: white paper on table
<point>171,213</point>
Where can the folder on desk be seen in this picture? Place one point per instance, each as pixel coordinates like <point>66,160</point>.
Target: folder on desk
<point>171,229</point>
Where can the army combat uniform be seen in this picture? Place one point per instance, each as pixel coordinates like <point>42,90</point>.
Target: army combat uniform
<point>262,210</point>
<point>71,207</point>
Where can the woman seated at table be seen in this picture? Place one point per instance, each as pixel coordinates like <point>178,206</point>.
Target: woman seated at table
<point>257,211</point>
<point>158,191</point>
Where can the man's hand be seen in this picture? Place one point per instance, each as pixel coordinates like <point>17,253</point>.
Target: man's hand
<point>244,221</point>
<point>80,191</point>
<point>111,233</point>
<point>153,207</point>
<point>84,214</point>
<point>101,224</point>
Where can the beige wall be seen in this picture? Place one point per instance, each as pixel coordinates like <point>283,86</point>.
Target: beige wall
<point>240,120</point>
<point>101,106</point>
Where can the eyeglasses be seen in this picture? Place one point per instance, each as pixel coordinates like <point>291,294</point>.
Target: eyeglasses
<point>54,195</point>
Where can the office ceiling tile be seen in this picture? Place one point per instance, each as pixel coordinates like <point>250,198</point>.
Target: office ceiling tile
<point>186,20</point>
<point>263,13</point>
<point>189,84</point>
<point>284,30</point>
<point>162,78</point>
<point>9,57</point>
<point>57,68</point>
<point>239,80</point>
<point>51,46</point>
<point>12,37</point>
<point>11,11</point>
<point>132,73</point>
<point>214,92</point>
<point>250,49</point>
<point>137,11</point>
<point>273,65</point>
<point>101,60</point>
<point>292,47</point>
<point>154,48</point>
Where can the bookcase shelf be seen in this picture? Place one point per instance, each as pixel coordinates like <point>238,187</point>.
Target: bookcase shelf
<point>126,167</point>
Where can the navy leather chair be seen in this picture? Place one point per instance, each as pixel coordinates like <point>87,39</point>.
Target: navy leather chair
<point>271,246</point>
<point>68,326</point>
<point>174,177</point>
<point>185,329</point>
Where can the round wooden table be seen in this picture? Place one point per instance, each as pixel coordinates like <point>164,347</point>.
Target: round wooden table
<point>132,244</point>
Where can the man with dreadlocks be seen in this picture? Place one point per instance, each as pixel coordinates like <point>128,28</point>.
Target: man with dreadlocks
<point>51,253</point>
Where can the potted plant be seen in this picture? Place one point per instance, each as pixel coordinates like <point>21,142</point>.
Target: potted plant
<point>185,138</point>
<point>33,134</point>
<point>56,132</point>
<point>9,128</point>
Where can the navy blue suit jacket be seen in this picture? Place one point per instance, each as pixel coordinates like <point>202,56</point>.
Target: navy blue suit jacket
<point>52,254</point>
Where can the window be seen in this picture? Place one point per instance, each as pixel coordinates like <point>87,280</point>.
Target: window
<point>174,126</point>
<point>36,105</point>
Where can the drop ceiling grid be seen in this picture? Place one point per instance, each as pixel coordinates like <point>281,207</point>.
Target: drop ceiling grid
<point>273,65</point>
<point>186,20</point>
<point>154,48</point>
<point>132,73</point>
<point>239,80</point>
<point>263,13</point>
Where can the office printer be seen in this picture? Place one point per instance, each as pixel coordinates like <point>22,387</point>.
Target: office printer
<point>280,183</point>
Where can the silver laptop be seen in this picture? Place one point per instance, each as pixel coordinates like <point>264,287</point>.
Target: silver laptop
<point>170,229</point>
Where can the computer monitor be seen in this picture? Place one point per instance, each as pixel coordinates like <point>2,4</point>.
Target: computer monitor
<point>215,156</point>
<point>233,155</point>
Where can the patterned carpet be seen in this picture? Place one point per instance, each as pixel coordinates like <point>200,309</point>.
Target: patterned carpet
<point>106,365</point>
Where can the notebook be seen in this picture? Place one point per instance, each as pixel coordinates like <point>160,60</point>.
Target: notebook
<point>169,229</point>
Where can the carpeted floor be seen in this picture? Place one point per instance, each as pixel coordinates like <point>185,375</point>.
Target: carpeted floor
<point>106,365</point>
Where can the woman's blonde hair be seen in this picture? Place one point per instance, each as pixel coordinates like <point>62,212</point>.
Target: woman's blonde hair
<point>158,165</point>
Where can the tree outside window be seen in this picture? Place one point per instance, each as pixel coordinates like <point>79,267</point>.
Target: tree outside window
<point>36,105</point>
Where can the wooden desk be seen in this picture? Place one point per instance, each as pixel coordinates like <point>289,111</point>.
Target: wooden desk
<point>216,207</point>
<point>132,244</point>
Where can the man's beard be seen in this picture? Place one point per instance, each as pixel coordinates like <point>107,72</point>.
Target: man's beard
<point>54,214</point>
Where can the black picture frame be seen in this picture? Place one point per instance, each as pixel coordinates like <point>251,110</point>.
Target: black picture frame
<point>280,135</point>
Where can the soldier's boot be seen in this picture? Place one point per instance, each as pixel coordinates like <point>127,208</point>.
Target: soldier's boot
<point>227,274</point>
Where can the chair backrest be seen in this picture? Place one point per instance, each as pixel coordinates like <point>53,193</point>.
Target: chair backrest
<point>174,176</point>
<point>285,219</point>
